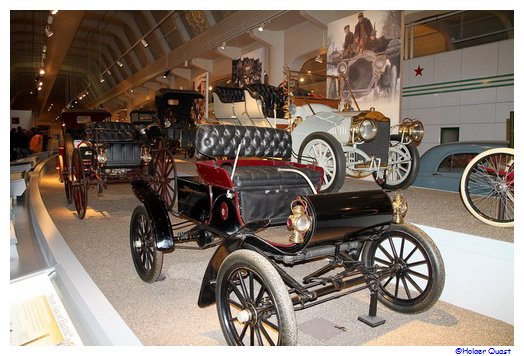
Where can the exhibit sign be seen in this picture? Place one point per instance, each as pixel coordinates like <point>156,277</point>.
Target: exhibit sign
<point>364,52</point>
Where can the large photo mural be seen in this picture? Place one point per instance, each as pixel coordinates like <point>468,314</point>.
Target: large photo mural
<point>248,68</point>
<point>364,53</point>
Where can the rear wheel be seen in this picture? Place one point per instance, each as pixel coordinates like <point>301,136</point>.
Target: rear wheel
<point>417,275</point>
<point>164,176</point>
<point>253,303</point>
<point>147,258</point>
<point>487,187</point>
<point>326,151</point>
<point>79,184</point>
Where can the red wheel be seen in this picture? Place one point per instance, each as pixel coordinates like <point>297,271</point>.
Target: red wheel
<point>79,184</point>
<point>164,177</point>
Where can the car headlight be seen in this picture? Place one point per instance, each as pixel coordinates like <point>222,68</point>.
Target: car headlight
<point>342,68</point>
<point>412,129</point>
<point>101,156</point>
<point>299,221</point>
<point>363,130</point>
<point>145,153</point>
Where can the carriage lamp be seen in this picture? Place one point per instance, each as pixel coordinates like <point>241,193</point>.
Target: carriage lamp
<point>411,129</point>
<point>145,154</point>
<point>101,156</point>
<point>400,207</point>
<point>363,130</point>
<point>299,221</point>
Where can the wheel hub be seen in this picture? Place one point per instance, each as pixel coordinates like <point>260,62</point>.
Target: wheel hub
<point>247,315</point>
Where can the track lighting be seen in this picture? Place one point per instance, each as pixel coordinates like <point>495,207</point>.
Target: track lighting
<point>261,27</point>
<point>223,46</point>
<point>42,71</point>
<point>44,48</point>
<point>102,79</point>
<point>54,12</point>
<point>186,63</point>
<point>48,31</point>
<point>109,72</point>
<point>119,64</point>
<point>144,43</point>
<point>166,74</point>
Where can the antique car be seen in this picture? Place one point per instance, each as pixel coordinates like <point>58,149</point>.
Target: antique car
<point>359,144</point>
<point>97,152</point>
<point>441,166</point>
<point>178,113</point>
<point>264,213</point>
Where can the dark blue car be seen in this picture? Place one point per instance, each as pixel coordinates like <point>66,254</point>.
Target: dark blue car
<point>441,167</point>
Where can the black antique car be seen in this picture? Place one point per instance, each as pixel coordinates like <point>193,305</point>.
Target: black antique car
<point>97,151</point>
<point>265,215</point>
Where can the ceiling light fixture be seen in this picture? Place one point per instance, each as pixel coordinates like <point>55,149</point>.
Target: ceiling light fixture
<point>44,48</point>
<point>144,43</point>
<point>119,64</point>
<point>109,72</point>
<point>186,63</point>
<point>261,27</point>
<point>223,46</point>
<point>42,71</point>
<point>102,79</point>
<point>166,74</point>
<point>54,12</point>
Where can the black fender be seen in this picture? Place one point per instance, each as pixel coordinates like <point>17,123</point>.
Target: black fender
<point>158,213</point>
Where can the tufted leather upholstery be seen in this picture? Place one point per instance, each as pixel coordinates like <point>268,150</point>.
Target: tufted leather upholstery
<point>269,95</point>
<point>110,132</point>
<point>223,141</point>
<point>229,95</point>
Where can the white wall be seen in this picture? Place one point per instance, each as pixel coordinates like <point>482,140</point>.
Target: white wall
<point>25,117</point>
<point>471,88</point>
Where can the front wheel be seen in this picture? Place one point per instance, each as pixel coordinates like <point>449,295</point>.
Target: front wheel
<point>403,161</point>
<point>326,151</point>
<point>253,303</point>
<point>79,184</point>
<point>147,258</point>
<point>411,267</point>
<point>487,187</point>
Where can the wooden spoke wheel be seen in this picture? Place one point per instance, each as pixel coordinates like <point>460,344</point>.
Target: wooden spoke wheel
<point>79,184</point>
<point>164,176</point>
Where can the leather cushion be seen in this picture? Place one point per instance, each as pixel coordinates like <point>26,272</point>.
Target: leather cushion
<point>262,142</point>
<point>229,95</point>
<point>111,132</point>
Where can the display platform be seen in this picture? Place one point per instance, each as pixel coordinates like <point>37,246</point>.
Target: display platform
<point>169,308</point>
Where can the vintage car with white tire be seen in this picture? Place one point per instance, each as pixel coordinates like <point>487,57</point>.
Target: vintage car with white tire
<point>359,144</point>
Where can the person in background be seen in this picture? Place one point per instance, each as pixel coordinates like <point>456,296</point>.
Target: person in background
<point>37,142</point>
<point>348,43</point>
<point>363,30</point>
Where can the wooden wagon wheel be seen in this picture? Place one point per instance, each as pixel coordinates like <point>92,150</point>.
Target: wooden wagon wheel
<point>79,184</point>
<point>164,175</point>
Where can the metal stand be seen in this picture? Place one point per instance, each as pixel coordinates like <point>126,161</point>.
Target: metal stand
<point>372,319</point>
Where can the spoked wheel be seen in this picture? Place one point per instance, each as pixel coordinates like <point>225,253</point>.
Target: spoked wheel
<point>253,302</point>
<point>403,163</point>
<point>416,269</point>
<point>79,184</point>
<point>326,151</point>
<point>487,187</point>
<point>63,176</point>
<point>146,257</point>
<point>164,176</point>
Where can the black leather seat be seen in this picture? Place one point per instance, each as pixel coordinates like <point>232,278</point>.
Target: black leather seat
<point>229,95</point>
<point>269,96</point>
<point>111,132</point>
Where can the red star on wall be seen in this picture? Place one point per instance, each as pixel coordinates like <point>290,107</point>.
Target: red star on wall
<point>418,71</point>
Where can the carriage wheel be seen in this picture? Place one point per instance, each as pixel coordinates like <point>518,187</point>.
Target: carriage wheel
<point>487,187</point>
<point>79,184</point>
<point>164,177</point>
<point>417,269</point>
<point>146,258</point>
<point>403,163</point>
<point>253,303</point>
<point>63,176</point>
<point>326,151</point>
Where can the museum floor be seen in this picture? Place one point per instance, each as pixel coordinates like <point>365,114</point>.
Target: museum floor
<point>166,312</point>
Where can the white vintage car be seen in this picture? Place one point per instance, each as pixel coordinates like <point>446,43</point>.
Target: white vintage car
<point>354,143</point>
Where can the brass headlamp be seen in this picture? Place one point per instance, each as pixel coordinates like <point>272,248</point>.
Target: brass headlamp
<point>299,221</point>
<point>363,130</point>
<point>412,129</point>
<point>101,155</point>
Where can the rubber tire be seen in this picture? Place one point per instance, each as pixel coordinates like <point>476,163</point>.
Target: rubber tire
<point>464,193</point>
<point>147,274</point>
<point>79,190</point>
<point>260,266</point>
<point>432,291</point>
<point>338,154</point>
<point>412,174</point>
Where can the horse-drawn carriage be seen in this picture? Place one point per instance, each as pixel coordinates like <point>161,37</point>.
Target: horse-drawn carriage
<point>264,213</point>
<point>97,152</point>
